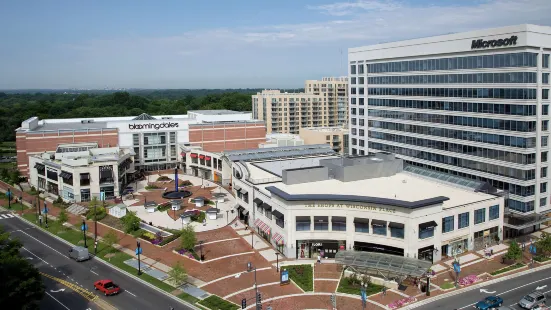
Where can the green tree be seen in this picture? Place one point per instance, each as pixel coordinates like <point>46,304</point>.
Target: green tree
<point>544,244</point>
<point>514,252</point>
<point>131,222</point>
<point>14,176</point>
<point>188,238</point>
<point>62,217</point>
<point>111,238</point>
<point>21,286</point>
<point>178,274</point>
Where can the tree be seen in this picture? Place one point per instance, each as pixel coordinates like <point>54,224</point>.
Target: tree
<point>514,252</point>
<point>131,222</point>
<point>544,244</point>
<point>188,238</point>
<point>14,176</point>
<point>178,274</point>
<point>111,238</point>
<point>62,217</point>
<point>21,286</point>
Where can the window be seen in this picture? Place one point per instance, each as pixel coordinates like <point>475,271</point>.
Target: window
<point>361,225</point>
<point>136,139</point>
<point>545,60</point>
<point>543,187</point>
<point>353,81</point>
<point>545,78</point>
<point>543,172</point>
<point>463,220</point>
<point>84,195</point>
<point>396,230</point>
<point>545,93</point>
<point>361,69</point>
<point>361,80</point>
<point>379,227</point>
<point>426,232</point>
<point>543,156</point>
<point>480,216</point>
<point>321,223</point>
<point>447,224</point>
<point>338,223</point>
<point>543,202</point>
<point>494,212</point>
<point>352,69</point>
<point>544,140</point>
<point>172,137</point>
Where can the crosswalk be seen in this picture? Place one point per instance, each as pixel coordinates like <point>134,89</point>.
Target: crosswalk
<point>5,216</point>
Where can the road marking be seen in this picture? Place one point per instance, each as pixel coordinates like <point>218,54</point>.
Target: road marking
<point>57,300</point>
<point>94,273</point>
<point>44,244</point>
<point>60,290</point>
<point>35,255</point>
<point>130,293</point>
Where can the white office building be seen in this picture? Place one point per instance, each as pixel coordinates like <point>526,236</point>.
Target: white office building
<point>473,104</point>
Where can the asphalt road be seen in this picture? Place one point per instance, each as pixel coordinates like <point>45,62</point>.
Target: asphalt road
<point>511,291</point>
<point>50,256</point>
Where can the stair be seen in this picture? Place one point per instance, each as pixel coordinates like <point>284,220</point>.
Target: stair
<point>76,209</point>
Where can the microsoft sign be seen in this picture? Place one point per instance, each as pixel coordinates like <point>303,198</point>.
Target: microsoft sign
<point>478,44</point>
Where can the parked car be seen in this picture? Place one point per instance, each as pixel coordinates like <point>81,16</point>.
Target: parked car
<point>490,302</point>
<point>79,253</point>
<point>531,300</point>
<point>107,287</point>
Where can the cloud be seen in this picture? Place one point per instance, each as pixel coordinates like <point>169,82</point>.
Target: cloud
<point>352,8</point>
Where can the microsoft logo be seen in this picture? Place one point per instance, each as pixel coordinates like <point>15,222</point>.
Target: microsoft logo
<point>476,44</point>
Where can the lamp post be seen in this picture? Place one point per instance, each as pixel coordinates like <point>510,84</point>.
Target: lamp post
<point>46,213</point>
<point>8,195</point>
<point>201,249</point>
<point>277,261</point>
<point>250,268</point>
<point>227,216</point>
<point>252,239</point>
<point>363,295</point>
<point>84,227</point>
<point>21,202</point>
<point>139,252</point>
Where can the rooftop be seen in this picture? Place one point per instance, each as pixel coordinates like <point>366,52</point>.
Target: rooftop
<point>216,112</point>
<point>275,168</point>
<point>326,129</point>
<point>279,152</point>
<point>76,125</point>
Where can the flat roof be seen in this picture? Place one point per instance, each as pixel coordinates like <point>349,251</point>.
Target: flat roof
<point>69,126</point>
<point>402,189</point>
<point>216,112</point>
<point>276,167</point>
<point>280,152</point>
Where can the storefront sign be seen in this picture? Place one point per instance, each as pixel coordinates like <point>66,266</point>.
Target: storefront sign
<point>153,126</point>
<point>284,277</point>
<point>350,206</point>
<point>477,44</point>
<point>316,244</point>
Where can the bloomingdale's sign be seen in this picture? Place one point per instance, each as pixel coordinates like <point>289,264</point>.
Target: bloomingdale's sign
<point>477,44</point>
<point>155,126</point>
<point>350,206</point>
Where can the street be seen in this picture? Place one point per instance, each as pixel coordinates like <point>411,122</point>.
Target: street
<point>511,291</point>
<point>49,255</point>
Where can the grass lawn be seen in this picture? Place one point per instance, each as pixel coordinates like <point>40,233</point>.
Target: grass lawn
<point>215,302</point>
<point>541,259</point>
<point>447,285</point>
<point>302,275</point>
<point>14,206</point>
<point>348,288</point>
<point>512,267</point>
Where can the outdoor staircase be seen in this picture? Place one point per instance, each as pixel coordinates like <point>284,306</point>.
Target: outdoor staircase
<point>76,209</point>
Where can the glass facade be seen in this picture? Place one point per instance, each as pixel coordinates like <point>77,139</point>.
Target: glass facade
<point>471,78</point>
<point>447,224</point>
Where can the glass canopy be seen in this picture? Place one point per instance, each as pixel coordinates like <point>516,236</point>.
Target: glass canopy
<point>391,265</point>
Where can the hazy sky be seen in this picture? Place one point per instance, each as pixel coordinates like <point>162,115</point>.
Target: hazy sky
<point>219,43</point>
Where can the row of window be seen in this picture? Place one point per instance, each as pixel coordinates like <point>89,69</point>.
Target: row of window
<point>458,162</point>
<point>457,134</point>
<point>474,107</point>
<point>516,158</point>
<point>509,125</point>
<point>512,77</point>
<point>523,59</point>
<point>486,93</point>
<point>448,223</point>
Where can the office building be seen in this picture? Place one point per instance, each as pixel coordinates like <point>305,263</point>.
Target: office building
<point>337,137</point>
<point>473,104</point>
<point>323,103</point>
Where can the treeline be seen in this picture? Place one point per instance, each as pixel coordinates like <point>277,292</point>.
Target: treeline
<point>17,107</point>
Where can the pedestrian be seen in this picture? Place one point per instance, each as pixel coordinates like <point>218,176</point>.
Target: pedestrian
<point>319,259</point>
<point>246,227</point>
<point>384,290</point>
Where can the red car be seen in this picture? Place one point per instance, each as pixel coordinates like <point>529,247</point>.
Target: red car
<point>107,287</point>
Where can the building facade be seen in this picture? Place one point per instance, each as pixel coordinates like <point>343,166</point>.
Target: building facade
<point>320,205</point>
<point>324,103</point>
<point>157,141</point>
<point>78,172</point>
<point>473,104</point>
<point>337,137</point>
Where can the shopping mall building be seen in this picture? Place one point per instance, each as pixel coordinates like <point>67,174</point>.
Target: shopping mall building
<point>156,142</point>
<point>472,104</point>
<point>311,202</point>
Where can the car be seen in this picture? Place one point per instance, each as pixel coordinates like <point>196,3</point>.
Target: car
<point>107,287</point>
<point>490,302</point>
<point>531,300</point>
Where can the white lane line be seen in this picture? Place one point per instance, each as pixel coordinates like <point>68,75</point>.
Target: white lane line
<point>57,300</point>
<point>94,273</point>
<point>130,293</point>
<point>35,255</point>
<point>44,244</point>
<point>10,215</point>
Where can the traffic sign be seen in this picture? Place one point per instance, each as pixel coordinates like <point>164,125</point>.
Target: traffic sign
<point>533,249</point>
<point>83,227</point>
<point>138,251</point>
<point>45,211</point>
<point>456,267</point>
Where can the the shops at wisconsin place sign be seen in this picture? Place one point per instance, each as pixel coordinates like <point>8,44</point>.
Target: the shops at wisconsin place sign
<point>478,44</point>
<point>156,126</point>
<point>350,206</point>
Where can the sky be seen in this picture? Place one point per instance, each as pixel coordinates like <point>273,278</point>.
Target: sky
<point>55,44</point>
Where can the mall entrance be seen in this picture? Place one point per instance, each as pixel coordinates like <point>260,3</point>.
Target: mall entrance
<point>310,249</point>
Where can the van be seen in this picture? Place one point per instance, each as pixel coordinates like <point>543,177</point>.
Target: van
<point>531,300</point>
<point>79,253</point>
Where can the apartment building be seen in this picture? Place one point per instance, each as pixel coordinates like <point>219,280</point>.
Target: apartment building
<point>472,104</point>
<point>337,137</point>
<point>323,103</point>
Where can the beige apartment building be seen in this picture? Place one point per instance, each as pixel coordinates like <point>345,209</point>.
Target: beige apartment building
<point>337,137</point>
<point>324,103</point>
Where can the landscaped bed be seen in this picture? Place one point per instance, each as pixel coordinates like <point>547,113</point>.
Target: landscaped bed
<point>353,285</point>
<point>509,268</point>
<point>215,302</point>
<point>302,275</point>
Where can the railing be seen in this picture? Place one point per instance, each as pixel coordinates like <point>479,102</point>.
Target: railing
<point>264,180</point>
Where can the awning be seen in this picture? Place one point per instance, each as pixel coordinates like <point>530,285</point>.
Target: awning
<point>266,206</point>
<point>245,212</point>
<point>395,225</point>
<point>201,156</point>
<point>149,204</point>
<point>303,219</point>
<point>258,201</point>
<point>378,223</point>
<point>338,219</point>
<point>66,175</point>
<point>207,157</point>
<point>237,187</point>
<point>278,239</point>
<point>321,219</point>
<point>277,214</point>
<point>262,226</point>
<point>105,174</point>
<point>183,154</point>
<point>84,176</point>
<point>193,155</point>
<point>213,210</point>
<point>426,225</point>
<point>39,166</point>
<point>361,220</point>
<point>244,191</point>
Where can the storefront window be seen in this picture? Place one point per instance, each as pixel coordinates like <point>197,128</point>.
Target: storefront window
<point>480,216</point>
<point>426,230</point>
<point>379,227</point>
<point>396,230</point>
<point>494,212</point>
<point>321,223</point>
<point>463,220</point>
<point>85,195</point>
<point>447,224</point>
<point>338,223</point>
<point>361,225</point>
<point>303,223</point>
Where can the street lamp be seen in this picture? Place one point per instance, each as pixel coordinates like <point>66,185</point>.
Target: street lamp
<point>277,261</point>
<point>139,252</point>
<point>46,212</point>
<point>363,294</point>
<point>84,227</point>
<point>21,202</point>
<point>250,268</point>
<point>8,195</point>
<point>252,239</point>
<point>201,249</point>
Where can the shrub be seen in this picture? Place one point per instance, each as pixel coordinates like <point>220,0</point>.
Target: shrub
<point>178,274</point>
<point>163,178</point>
<point>514,252</point>
<point>169,239</point>
<point>62,217</point>
<point>199,217</point>
<point>188,238</point>
<point>148,235</point>
<point>100,213</point>
<point>215,302</point>
<point>131,222</point>
<point>111,238</point>
<point>186,183</point>
<point>151,186</point>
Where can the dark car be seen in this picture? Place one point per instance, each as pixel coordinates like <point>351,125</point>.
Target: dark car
<point>490,302</point>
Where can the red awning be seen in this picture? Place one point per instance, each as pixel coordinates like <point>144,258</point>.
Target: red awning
<point>265,228</point>
<point>183,154</point>
<point>207,157</point>
<point>193,155</point>
<point>201,156</point>
<point>278,238</point>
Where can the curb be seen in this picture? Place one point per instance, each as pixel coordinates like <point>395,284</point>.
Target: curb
<point>117,269</point>
<point>477,286</point>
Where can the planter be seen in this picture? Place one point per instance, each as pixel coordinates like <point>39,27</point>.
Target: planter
<point>402,302</point>
<point>187,254</point>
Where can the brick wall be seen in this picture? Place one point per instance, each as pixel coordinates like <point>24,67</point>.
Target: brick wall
<point>227,137</point>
